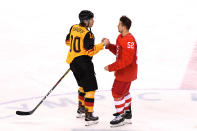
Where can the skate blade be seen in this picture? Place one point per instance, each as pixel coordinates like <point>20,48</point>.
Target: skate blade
<point>80,115</point>
<point>127,121</point>
<point>118,125</point>
<point>89,123</point>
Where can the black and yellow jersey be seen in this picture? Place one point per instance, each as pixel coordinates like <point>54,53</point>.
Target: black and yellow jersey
<point>81,42</point>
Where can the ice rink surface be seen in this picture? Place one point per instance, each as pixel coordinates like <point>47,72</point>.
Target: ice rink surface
<point>161,110</point>
<point>33,55</point>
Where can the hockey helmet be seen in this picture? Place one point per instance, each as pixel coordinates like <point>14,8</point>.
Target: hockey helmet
<point>85,15</point>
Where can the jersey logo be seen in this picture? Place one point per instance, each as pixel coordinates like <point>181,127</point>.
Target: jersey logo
<point>130,45</point>
<point>91,36</point>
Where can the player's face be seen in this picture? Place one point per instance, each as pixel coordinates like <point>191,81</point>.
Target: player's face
<point>120,27</point>
<point>91,22</point>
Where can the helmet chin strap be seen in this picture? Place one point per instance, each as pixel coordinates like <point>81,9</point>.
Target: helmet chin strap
<point>89,24</point>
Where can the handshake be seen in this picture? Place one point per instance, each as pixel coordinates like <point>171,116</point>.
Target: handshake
<point>105,41</point>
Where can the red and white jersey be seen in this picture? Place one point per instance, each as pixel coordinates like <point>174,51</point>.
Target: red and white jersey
<point>125,66</point>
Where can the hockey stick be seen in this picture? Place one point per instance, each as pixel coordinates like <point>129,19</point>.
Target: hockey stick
<point>31,112</point>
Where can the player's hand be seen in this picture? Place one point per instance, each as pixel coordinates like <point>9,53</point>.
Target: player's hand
<point>105,41</point>
<point>106,68</point>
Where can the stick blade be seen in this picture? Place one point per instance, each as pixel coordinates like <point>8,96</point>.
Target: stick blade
<point>23,113</point>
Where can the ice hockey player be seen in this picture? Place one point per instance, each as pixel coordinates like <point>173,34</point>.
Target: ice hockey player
<point>82,48</point>
<point>125,68</point>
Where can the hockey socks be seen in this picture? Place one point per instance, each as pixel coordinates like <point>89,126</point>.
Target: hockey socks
<point>89,101</point>
<point>119,105</point>
<point>128,100</point>
<point>81,107</point>
<point>81,95</point>
<point>86,99</point>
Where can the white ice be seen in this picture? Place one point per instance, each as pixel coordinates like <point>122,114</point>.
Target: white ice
<point>33,57</point>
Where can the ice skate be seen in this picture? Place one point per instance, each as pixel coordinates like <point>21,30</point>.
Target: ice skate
<point>90,119</point>
<point>117,121</point>
<point>81,112</point>
<point>127,115</point>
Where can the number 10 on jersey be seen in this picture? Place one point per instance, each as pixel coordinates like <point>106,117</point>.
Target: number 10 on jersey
<point>75,44</point>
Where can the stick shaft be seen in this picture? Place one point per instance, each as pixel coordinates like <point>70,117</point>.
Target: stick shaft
<point>51,90</point>
<point>31,112</point>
